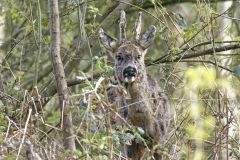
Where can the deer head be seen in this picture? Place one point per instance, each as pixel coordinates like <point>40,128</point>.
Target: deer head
<point>129,55</point>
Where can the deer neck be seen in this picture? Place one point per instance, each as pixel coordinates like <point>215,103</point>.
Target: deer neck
<point>138,90</point>
<point>138,104</point>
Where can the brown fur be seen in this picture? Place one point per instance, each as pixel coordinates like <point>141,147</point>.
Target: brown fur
<point>147,106</point>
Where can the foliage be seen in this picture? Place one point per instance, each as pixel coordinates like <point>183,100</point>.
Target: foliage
<point>195,59</point>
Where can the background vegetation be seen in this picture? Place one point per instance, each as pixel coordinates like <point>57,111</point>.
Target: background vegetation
<point>194,57</point>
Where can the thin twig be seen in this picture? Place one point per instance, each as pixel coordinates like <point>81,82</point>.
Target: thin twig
<point>9,125</point>
<point>9,52</point>
<point>39,44</point>
<point>142,10</point>
<point>174,24</point>
<point>24,133</point>
<point>32,23</point>
<point>206,61</point>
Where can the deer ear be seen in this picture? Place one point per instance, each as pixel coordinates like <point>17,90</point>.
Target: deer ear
<point>147,38</point>
<point>110,43</point>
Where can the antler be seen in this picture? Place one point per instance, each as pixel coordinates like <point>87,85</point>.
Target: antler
<point>122,26</point>
<point>137,28</point>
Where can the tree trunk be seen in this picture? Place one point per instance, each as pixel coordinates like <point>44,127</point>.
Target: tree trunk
<point>62,89</point>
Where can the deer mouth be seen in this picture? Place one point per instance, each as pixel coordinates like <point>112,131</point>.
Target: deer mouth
<point>130,74</point>
<point>129,79</point>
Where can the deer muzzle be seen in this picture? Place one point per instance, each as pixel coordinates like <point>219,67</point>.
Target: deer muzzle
<point>129,74</point>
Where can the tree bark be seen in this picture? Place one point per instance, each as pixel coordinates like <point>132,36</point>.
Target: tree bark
<point>62,89</point>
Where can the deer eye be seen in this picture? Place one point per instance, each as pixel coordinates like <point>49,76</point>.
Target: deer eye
<point>139,56</point>
<point>119,58</point>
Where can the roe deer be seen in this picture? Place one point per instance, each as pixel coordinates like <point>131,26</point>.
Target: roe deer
<point>147,106</point>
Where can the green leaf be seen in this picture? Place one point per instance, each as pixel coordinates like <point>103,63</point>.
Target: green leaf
<point>85,141</point>
<point>127,136</point>
<point>94,59</point>
<point>148,58</point>
<point>45,22</point>
<point>2,128</point>
<point>93,9</point>
<point>95,25</point>
<point>178,69</point>
<point>100,143</point>
<point>67,29</point>
<point>77,153</point>
<point>20,73</point>
<point>70,22</point>
<point>83,105</point>
<point>236,71</point>
<point>139,139</point>
<point>165,36</point>
<point>1,116</point>
<point>93,128</point>
<point>140,130</point>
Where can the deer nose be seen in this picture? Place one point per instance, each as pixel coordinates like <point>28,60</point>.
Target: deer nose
<point>129,71</point>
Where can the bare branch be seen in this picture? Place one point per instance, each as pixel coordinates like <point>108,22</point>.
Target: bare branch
<point>167,58</point>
